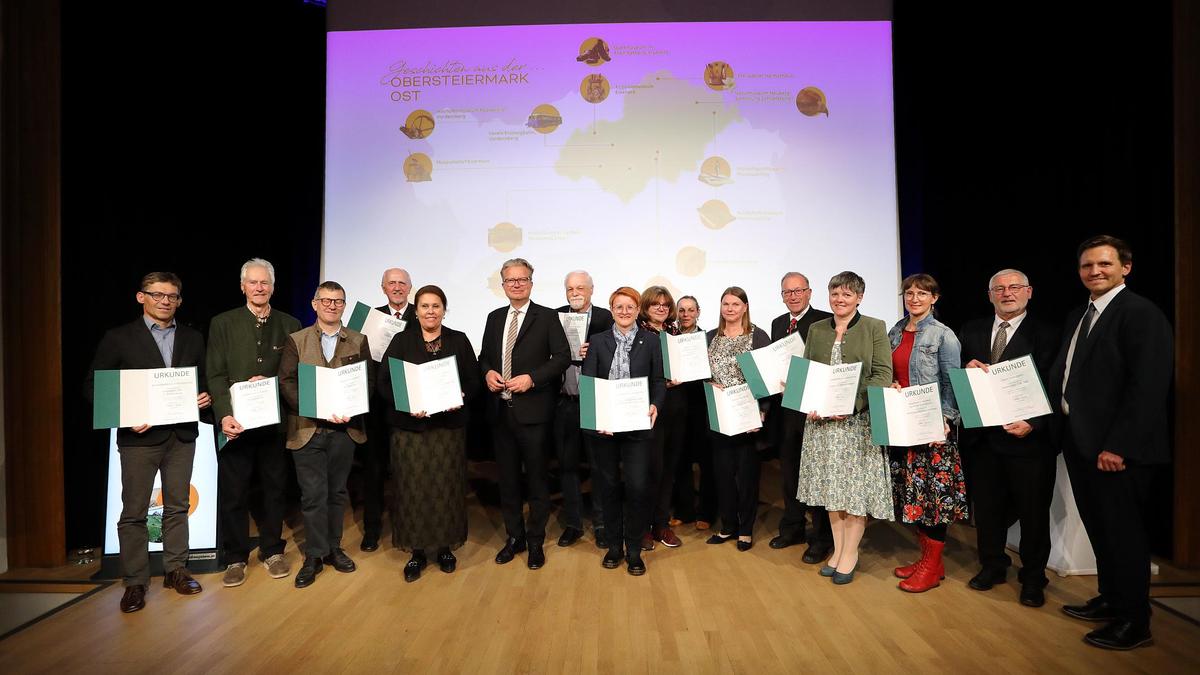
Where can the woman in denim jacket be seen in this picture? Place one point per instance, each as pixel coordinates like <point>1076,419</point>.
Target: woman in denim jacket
<point>927,481</point>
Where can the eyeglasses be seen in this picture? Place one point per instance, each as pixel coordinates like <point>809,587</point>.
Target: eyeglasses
<point>660,305</point>
<point>159,296</point>
<point>517,281</point>
<point>1011,288</point>
<point>917,294</point>
<point>794,291</point>
<point>331,302</point>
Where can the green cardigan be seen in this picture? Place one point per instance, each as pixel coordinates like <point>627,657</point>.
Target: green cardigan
<point>239,349</point>
<point>865,341</point>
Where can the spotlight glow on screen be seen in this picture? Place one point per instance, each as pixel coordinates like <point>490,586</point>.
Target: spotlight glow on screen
<point>693,155</point>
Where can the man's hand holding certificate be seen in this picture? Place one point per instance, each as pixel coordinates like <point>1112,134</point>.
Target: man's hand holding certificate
<point>904,417</point>
<point>1004,392</point>
<point>575,326</point>
<point>379,328</point>
<point>829,391</point>
<point>139,397</point>
<point>256,403</point>
<point>766,368</point>
<point>685,357</point>
<point>334,394</point>
<point>732,410</point>
<point>613,406</point>
<point>427,388</point>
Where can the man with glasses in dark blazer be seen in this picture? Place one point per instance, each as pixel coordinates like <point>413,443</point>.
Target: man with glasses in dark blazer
<point>154,340</point>
<point>1011,469</point>
<point>523,356</point>
<point>796,294</point>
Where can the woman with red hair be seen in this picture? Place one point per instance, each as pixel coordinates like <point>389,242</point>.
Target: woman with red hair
<point>623,459</point>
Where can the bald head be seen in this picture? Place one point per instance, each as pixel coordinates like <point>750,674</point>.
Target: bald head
<point>396,284</point>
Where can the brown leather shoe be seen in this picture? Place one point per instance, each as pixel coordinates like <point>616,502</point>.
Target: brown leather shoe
<point>181,580</point>
<point>134,599</point>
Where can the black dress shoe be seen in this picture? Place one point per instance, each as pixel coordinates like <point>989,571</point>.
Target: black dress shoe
<point>512,547</point>
<point>308,572</point>
<point>815,553</point>
<point>612,559</point>
<point>570,536</point>
<point>412,569</point>
<point>601,538</point>
<point>1096,609</point>
<point>1120,635</point>
<point>719,539</point>
<point>447,562</point>
<point>783,541</point>
<point>1032,595</point>
<point>370,542</point>
<point>181,580</point>
<point>537,557</point>
<point>635,566</point>
<point>744,545</point>
<point>339,561</point>
<point>134,598</point>
<point>987,578</point>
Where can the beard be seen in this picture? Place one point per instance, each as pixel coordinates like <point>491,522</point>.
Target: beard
<point>576,303</point>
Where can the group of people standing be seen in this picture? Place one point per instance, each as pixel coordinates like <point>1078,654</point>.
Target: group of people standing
<point>1108,374</point>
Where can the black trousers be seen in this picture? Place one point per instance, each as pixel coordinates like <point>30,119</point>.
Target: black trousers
<point>139,464</point>
<point>571,448</point>
<point>1005,486</point>
<point>698,451</point>
<point>373,458</point>
<point>735,460</point>
<point>623,466</point>
<point>670,438</point>
<point>792,525</point>
<point>1113,506</point>
<point>236,462</point>
<point>322,466</point>
<point>520,445</point>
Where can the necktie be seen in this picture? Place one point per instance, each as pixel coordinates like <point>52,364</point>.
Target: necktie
<point>509,340</point>
<point>792,326</point>
<point>1085,328</point>
<point>397,315</point>
<point>1000,342</point>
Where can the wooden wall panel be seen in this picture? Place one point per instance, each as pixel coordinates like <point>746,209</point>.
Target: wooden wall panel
<point>30,204</point>
<point>1187,282</point>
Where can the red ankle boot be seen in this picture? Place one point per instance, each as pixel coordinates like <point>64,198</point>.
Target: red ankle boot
<point>930,571</point>
<point>906,571</point>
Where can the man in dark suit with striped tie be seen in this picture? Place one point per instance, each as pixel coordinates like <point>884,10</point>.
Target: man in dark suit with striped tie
<point>1012,468</point>
<point>1111,381</point>
<point>796,293</point>
<point>523,356</point>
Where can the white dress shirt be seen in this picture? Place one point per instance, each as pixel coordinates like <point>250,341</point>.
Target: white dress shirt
<point>1101,303</point>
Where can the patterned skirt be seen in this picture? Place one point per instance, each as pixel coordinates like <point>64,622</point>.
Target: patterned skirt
<point>430,506</point>
<point>842,470</point>
<point>928,484</point>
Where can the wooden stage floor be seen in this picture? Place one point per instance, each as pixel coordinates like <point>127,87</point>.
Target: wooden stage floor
<point>698,609</point>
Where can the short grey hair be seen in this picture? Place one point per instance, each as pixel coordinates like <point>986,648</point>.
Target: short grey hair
<point>516,262</point>
<point>582,273</point>
<point>1003,272</point>
<point>789,275</point>
<point>848,280</point>
<point>258,262</point>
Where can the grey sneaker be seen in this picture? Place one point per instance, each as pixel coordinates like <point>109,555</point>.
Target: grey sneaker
<point>235,575</point>
<point>277,566</point>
